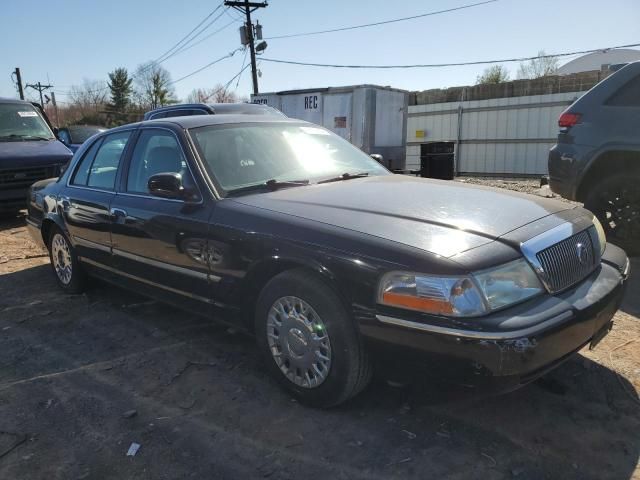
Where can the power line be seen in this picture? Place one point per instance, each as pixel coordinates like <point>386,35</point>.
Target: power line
<point>184,48</point>
<point>189,43</point>
<point>244,59</point>
<point>179,43</point>
<point>383,22</point>
<point>237,75</point>
<point>457,64</point>
<point>229,55</point>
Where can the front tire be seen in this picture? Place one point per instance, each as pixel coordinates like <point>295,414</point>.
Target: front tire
<point>310,343</point>
<point>68,272</point>
<point>616,202</point>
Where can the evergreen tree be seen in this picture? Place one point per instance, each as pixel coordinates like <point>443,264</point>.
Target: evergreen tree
<point>121,89</point>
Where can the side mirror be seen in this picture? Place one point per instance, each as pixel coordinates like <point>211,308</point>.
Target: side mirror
<point>377,157</point>
<point>166,185</point>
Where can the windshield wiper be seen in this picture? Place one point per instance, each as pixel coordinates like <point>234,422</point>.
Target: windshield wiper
<point>13,136</point>
<point>345,176</point>
<point>269,185</point>
<point>36,137</point>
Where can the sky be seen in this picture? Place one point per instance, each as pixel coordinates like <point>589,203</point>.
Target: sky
<point>64,42</point>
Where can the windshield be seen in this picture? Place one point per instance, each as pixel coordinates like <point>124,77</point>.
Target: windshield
<point>237,156</point>
<point>21,121</point>
<point>81,134</point>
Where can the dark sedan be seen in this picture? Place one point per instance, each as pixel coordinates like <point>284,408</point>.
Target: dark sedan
<point>336,265</point>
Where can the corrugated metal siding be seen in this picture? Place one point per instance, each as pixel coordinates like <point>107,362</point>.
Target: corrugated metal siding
<point>390,114</point>
<point>498,136</point>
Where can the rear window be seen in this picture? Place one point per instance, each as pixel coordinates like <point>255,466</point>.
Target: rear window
<point>99,165</point>
<point>628,95</point>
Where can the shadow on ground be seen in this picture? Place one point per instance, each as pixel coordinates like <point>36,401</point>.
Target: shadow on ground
<point>70,366</point>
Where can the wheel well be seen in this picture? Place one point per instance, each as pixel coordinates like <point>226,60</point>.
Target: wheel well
<point>262,275</point>
<point>607,164</point>
<point>45,230</point>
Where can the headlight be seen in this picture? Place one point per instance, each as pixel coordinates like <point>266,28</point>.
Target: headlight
<point>509,283</point>
<point>466,296</point>
<point>450,296</point>
<point>602,236</point>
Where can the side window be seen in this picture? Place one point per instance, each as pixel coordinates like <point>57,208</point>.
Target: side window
<point>628,95</point>
<point>102,173</point>
<point>81,174</point>
<point>64,136</point>
<point>156,151</point>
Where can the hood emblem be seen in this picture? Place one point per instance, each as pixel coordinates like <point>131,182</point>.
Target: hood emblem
<point>581,253</point>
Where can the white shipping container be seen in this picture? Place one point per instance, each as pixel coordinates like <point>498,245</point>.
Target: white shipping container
<point>371,117</point>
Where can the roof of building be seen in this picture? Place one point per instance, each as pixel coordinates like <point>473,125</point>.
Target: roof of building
<point>596,60</point>
<point>345,88</point>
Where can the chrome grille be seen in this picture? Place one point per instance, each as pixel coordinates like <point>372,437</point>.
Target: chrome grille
<point>567,262</point>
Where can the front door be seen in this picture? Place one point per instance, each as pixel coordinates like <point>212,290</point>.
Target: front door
<point>87,198</point>
<point>162,242</point>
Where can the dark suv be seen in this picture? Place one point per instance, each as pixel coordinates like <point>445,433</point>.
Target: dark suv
<point>29,151</point>
<point>597,157</point>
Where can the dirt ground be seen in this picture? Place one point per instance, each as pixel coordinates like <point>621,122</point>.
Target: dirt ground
<point>83,377</point>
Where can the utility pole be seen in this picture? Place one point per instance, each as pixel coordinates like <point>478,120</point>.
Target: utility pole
<point>247,7</point>
<point>55,107</point>
<point>40,88</point>
<point>19,82</point>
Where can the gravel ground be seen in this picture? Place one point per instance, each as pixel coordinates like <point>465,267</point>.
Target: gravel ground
<point>529,185</point>
<point>83,377</point>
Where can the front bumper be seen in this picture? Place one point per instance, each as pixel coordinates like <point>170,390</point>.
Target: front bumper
<point>522,342</point>
<point>12,199</point>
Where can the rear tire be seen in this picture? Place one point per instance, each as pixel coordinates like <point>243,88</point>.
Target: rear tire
<point>69,274</point>
<point>616,202</point>
<point>310,344</point>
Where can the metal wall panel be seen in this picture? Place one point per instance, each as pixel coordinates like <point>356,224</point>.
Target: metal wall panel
<point>304,106</point>
<point>502,136</point>
<point>336,115</point>
<point>390,115</point>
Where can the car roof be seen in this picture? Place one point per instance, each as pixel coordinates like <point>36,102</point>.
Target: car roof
<point>206,120</point>
<point>14,100</point>
<point>93,127</point>
<point>218,108</point>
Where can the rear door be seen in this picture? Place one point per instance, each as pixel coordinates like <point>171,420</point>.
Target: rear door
<point>162,242</point>
<point>87,197</point>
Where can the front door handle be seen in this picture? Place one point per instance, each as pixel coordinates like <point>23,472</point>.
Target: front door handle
<point>65,202</point>
<point>117,214</point>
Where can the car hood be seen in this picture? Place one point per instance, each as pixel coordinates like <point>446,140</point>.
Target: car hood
<point>32,153</point>
<point>441,217</point>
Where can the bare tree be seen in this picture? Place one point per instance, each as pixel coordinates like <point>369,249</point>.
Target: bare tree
<point>88,100</point>
<point>217,94</point>
<point>539,67</point>
<point>492,75</point>
<point>153,86</point>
